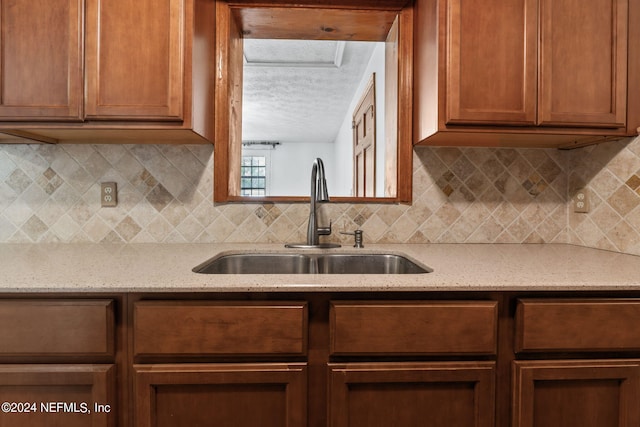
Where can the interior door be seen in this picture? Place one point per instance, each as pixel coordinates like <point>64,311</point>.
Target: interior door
<point>364,143</point>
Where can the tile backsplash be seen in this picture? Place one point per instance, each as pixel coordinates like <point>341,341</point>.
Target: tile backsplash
<point>610,174</point>
<point>50,193</point>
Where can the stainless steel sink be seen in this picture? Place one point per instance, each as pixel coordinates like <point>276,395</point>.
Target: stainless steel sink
<point>256,264</point>
<point>368,264</point>
<point>289,263</point>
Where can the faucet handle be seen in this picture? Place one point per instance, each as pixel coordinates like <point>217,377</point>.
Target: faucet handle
<point>325,231</point>
<point>357,237</point>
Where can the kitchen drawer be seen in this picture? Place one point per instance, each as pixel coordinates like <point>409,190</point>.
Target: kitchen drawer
<point>577,325</point>
<point>207,328</point>
<point>41,328</point>
<point>413,328</point>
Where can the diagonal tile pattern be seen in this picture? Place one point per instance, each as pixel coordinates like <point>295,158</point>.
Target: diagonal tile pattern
<point>610,174</point>
<point>473,195</point>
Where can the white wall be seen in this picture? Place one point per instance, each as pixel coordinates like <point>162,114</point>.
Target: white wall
<point>344,140</point>
<point>290,171</point>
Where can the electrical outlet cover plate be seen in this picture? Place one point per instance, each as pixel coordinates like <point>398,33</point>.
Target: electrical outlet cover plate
<point>108,194</point>
<point>581,201</point>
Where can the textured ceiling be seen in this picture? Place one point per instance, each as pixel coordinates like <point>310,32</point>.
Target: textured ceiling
<point>299,90</point>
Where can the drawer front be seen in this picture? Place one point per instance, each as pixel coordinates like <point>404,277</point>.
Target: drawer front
<point>196,328</point>
<point>403,328</point>
<point>577,325</point>
<point>42,328</point>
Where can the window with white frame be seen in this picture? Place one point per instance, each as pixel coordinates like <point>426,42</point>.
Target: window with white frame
<point>254,175</point>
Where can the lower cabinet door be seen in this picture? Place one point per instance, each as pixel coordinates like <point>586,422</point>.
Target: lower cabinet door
<point>57,395</point>
<point>585,393</point>
<point>434,394</point>
<point>237,395</point>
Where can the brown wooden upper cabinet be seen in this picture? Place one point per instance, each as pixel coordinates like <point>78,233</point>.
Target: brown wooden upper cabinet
<point>525,72</point>
<point>41,54</point>
<point>134,60</point>
<point>122,69</point>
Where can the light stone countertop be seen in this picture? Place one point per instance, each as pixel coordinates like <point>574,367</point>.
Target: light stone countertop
<point>167,268</point>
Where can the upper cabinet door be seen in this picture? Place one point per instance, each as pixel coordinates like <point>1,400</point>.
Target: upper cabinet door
<point>134,60</point>
<point>41,60</point>
<point>583,66</point>
<point>491,62</point>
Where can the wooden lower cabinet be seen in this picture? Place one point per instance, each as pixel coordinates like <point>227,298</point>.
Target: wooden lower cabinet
<point>57,395</point>
<point>585,393</point>
<point>230,363</point>
<point>413,328</point>
<point>58,329</point>
<point>503,359</point>
<point>437,394</point>
<point>59,362</point>
<point>577,325</point>
<point>238,395</point>
<point>588,391</point>
<point>177,329</point>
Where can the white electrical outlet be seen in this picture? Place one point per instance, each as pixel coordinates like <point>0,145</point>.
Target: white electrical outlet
<point>581,201</point>
<point>108,194</point>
